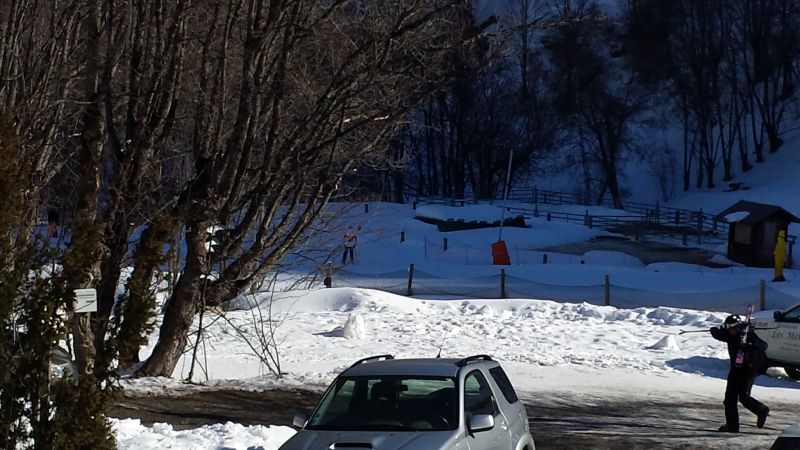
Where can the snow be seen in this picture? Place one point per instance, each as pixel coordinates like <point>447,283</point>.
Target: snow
<point>575,346</point>
<point>737,216</point>
<point>132,435</point>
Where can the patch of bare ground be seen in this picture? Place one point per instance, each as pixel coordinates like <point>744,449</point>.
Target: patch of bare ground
<point>647,252</point>
<point>557,422</point>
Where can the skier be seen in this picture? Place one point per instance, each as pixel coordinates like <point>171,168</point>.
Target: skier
<point>742,373</point>
<point>350,241</point>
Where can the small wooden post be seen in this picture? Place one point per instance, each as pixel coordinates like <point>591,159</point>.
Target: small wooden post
<point>502,283</point>
<point>366,208</point>
<point>410,279</point>
<point>607,291</point>
<point>544,258</point>
<point>402,236</point>
<point>444,244</point>
<point>548,217</point>
<point>762,295</point>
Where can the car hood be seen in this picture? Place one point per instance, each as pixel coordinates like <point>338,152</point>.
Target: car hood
<point>382,440</point>
<point>764,315</point>
<point>792,431</point>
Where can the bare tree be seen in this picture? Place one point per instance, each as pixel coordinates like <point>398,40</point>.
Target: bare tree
<point>290,95</point>
<point>767,32</point>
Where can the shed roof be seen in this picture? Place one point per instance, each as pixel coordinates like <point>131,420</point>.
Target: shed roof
<point>756,212</point>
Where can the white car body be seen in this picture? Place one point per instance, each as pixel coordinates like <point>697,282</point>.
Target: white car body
<point>781,331</point>
<point>506,429</point>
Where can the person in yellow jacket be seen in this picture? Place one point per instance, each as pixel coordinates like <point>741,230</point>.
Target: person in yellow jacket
<point>780,255</point>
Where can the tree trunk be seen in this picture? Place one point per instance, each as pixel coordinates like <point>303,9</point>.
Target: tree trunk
<point>137,309</point>
<point>110,271</point>
<point>82,258</point>
<point>181,307</point>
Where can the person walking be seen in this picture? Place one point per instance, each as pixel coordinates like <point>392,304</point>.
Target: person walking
<point>350,241</point>
<point>743,371</point>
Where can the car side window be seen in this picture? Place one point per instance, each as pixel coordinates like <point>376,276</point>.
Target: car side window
<point>478,397</point>
<point>792,315</point>
<point>500,377</point>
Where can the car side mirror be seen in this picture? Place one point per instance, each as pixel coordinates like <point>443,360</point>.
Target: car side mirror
<point>778,315</point>
<point>481,422</point>
<point>300,419</point>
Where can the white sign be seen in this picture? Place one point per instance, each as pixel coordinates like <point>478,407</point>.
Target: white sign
<point>85,300</point>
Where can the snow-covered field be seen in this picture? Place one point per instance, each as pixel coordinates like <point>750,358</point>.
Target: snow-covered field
<point>547,347</point>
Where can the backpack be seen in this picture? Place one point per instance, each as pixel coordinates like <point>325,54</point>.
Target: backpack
<point>756,354</point>
<point>757,360</point>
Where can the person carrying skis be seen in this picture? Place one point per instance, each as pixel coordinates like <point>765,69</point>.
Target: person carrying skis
<point>745,367</point>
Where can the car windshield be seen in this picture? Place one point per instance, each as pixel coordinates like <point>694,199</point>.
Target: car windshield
<point>388,403</point>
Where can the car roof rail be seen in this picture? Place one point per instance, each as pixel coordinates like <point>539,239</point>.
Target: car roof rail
<point>463,362</point>
<point>371,358</point>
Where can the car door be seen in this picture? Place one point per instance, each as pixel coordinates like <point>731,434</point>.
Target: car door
<point>510,404</point>
<point>480,399</point>
<point>786,337</point>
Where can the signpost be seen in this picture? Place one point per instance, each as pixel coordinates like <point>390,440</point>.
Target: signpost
<point>85,301</point>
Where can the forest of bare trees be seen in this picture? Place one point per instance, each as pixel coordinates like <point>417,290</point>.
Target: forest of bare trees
<point>133,134</point>
<point>586,84</point>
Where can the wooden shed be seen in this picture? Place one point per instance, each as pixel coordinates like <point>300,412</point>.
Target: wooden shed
<point>754,230</point>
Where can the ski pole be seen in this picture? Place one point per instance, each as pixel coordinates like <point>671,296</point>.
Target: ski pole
<point>706,331</point>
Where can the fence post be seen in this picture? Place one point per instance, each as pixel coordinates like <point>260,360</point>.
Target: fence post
<point>762,295</point>
<point>658,213</point>
<point>444,244</point>
<point>366,208</point>
<point>544,258</point>
<point>402,236</point>
<point>548,217</point>
<point>536,210</point>
<point>677,217</point>
<point>535,195</point>
<point>700,226</point>
<point>684,238</point>
<point>414,205</point>
<point>502,283</point>
<point>607,291</point>
<point>410,279</point>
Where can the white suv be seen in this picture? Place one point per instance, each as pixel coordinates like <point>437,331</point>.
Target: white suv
<point>446,404</point>
<point>781,331</point>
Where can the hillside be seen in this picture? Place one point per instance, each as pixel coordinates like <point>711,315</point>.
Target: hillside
<point>775,181</point>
